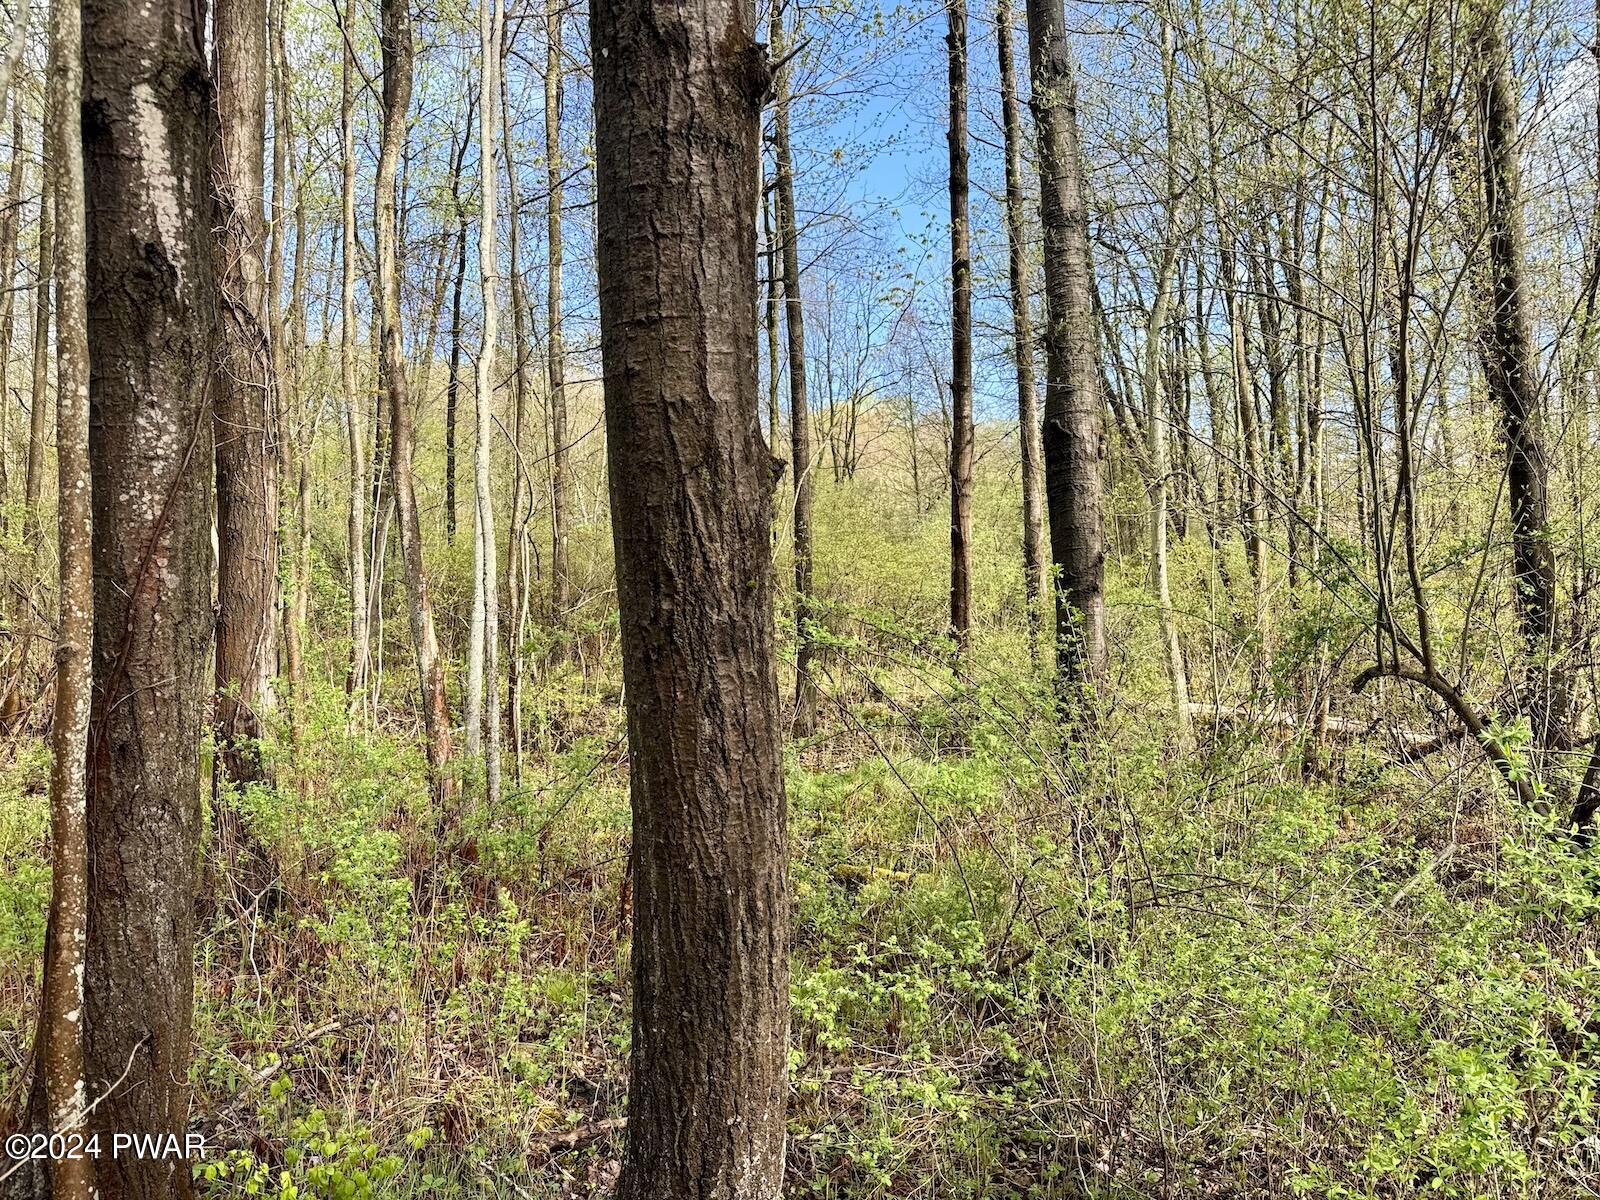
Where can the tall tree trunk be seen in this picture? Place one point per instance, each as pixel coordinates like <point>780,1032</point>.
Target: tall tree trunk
<point>148,119</point>
<point>561,596</point>
<point>1511,366</point>
<point>1029,435</point>
<point>66,1082</point>
<point>398,54</point>
<point>10,222</point>
<point>38,406</point>
<point>961,436</point>
<point>678,94</point>
<point>1074,409</point>
<point>483,683</point>
<point>794,319</point>
<point>452,387</point>
<point>519,546</point>
<point>245,392</point>
<point>21,683</point>
<point>355,422</point>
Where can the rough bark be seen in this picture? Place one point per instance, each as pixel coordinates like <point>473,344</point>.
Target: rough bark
<point>961,434</point>
<point>398,55</point>
<point>245,399</point>
<point>1511,366</point>
<point>1074,416</point>
<point>1033,571</point>
<point>794,320</point>
<point>678,94</point>
<point>147,126</point>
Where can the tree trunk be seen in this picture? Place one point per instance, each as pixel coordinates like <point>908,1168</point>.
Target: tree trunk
<point>1074,409</point>
<point>66,1084</point>
<point>678,94</point>
<point>398,54</point>
<point>794,317</point>
<point>518,544</point>
<point>245,392</point>
<point>960,336</point>
<point>452,387</point>
<point>355,423</point>
<point>561,595</point>
<point>9,225</point>
<point>483,683</point>
<point>1511,366</point>
<point>1033,572</point>
<point>148,119</point>
<point>38,406</point>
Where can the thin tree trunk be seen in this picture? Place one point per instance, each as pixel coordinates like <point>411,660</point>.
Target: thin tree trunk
<point>805,685</point>
<point>519,588</point>
<point>561,594</point>
<point>10,223</point>
<point>1029,435</point>
<point>678,95</point>
<point>398,54</point>
<point>148,124</point>
<point>355,424</point>
<point>245,394</point>
<point>452,387</point>
<point>483,683</point>
<point>66,1081</point>
<point>1074,416</point>
<point>38,406</point>
<point>961,434</point>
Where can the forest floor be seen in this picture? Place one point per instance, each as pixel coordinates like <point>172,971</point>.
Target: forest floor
<point>1017,971</point>
<point>1027,962</point>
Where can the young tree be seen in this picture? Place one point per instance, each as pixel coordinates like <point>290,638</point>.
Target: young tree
<point>961,434</point>
<point>794,320</point>
<point>354,410</point>
<point>1074,437</point>
<point>678,93</point>
<point>483,668</point>
<point>560,470</point>
<point>1033,571</point>
<point>398,54</point>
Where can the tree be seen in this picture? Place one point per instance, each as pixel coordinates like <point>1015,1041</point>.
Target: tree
<point>147,128</point>
<point>398,53</point>
<point>560,469</point>
<point>245,399</point>
<point>355,421</point>
<point>61,1056</point>
<point>1511,366</point>
<point>483,668</point>
<point>1074,437</point>
<point>794,322</point>
<point>1033,572</point>
<point>961,435</point>
<point>678,95</point>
